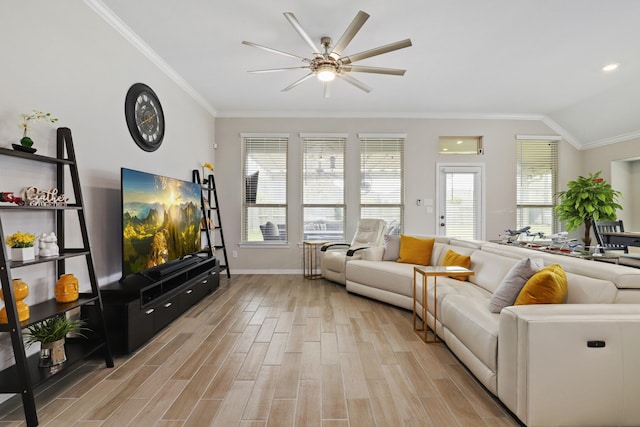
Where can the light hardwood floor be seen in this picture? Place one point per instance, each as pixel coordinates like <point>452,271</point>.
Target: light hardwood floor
<point>274,350</point>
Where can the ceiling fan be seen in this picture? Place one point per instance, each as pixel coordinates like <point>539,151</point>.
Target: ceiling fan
<point>328,63</point>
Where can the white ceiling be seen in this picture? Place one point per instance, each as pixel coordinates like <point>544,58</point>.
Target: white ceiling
<point>491,58</point>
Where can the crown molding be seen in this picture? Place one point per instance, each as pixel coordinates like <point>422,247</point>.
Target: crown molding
<point>562,132</point>
<point>231,114</point>
<point>125,31</point>
<point>612,140</point>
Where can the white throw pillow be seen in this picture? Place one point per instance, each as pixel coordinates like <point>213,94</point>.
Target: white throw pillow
<point>391,248</point>
<point>508,290</point>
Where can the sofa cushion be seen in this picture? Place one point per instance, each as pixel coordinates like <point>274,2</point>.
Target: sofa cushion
<point>468,319</point>
<point>489,269</point>
<point>415,250</point>
<point>385,275</point>
<point>391,247</point>
<point>508,290</point>
<point>547,286</point>
<point>452,258</point>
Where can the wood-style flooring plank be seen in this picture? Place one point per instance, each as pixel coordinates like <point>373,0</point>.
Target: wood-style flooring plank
<point>273,351</point>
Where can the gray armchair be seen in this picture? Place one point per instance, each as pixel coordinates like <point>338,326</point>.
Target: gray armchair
<point>271,231</point>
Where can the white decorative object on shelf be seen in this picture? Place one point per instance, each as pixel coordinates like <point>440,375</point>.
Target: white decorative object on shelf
<point>48,245</point>
<point>36,197</point>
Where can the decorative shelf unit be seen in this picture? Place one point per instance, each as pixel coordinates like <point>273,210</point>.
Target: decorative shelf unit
<point>210,204</point>
<point>22,377</point>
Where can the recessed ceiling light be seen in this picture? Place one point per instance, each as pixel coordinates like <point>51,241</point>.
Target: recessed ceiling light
<point>610,67</point>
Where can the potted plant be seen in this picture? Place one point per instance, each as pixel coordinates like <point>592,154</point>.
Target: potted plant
<point>21,245</point>
<point>26,142</point>
<point>51,333</point>
<point>587,199</point>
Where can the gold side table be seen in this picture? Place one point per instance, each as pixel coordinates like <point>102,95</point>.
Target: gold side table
<point>310,259</point>
<point>426,272</point>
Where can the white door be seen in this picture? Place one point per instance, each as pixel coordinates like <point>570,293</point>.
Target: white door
<point>460,197</point>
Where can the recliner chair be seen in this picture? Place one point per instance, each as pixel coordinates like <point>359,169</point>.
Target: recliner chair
<point>334,256</point>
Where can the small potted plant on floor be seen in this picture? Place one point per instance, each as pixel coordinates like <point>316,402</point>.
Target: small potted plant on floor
<point>587,199</point>
<point>51,334</point>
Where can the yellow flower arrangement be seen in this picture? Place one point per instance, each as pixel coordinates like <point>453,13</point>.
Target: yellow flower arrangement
<point>21,240</point>
<point>206,165</point>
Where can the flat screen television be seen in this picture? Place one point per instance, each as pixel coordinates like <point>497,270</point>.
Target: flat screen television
<point>161,219</point>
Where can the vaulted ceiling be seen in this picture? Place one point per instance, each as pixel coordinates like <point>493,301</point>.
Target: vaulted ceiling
<point>535,59</point>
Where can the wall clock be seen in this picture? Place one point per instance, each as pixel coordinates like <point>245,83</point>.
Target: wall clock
<point>144,115</point>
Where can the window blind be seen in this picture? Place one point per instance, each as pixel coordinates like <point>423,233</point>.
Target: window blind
<point>265,189</point>
<point>323,201</point>
<point>382,180</point>
<point>462,201</point>
<point>536,184</point>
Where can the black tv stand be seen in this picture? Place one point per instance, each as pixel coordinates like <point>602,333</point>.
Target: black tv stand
<point>140,305</point>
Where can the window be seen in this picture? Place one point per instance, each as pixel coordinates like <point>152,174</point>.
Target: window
<point>323,206</point>
<point>382,179</point>
<point>537,180</point>
<point>265,189</point>
<point>460,145</point>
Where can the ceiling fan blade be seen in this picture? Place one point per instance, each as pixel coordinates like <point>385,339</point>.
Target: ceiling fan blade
<point>297,82</point>
<point>270,49</point>
<point>357,83</point>
<point>349,34</point>
<point>326,93</point>
<point>374,70</point>
<point>296,25</point>
<point>272,70</point>
<point>376,51</point>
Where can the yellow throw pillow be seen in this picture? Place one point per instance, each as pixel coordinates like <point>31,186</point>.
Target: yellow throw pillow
<point>547,286</point>
<point>454,258</point>
<point>415,250</point>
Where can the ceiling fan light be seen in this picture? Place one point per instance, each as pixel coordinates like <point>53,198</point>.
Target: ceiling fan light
<point>326,74</point>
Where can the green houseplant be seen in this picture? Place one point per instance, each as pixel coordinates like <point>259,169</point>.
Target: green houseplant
<point>587,199</point>
<point>51,334</point>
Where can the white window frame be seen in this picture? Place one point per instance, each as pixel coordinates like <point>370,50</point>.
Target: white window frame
<point>304,137</point>
<point>546,138</point>
<point>364,138</point>
<point>244,242</point>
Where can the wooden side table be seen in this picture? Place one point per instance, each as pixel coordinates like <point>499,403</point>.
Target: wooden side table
<point>426,272</point>
<point>310,259</point>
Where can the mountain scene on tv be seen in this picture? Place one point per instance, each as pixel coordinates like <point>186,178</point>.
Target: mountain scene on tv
<point>160,220</point>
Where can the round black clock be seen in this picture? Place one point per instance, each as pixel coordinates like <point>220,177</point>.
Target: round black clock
<point>144,115</point>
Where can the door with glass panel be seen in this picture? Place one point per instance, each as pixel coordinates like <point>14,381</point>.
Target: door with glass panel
<point>460,201</point>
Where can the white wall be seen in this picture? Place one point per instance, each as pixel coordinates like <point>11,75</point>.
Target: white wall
<point>420,159</point>
<point>61,57</point>
<point>620,166</point>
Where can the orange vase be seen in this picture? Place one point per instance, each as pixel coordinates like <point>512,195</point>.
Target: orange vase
<point>20,292</point>
<point>67,288</point>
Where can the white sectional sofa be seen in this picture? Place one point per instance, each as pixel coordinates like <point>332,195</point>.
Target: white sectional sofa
<point>572,364</point>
